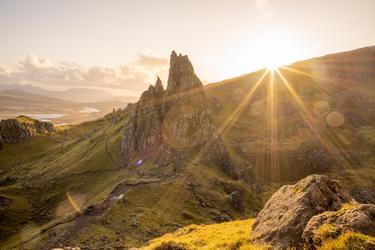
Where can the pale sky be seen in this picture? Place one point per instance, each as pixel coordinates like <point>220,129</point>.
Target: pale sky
<point>122,45</point>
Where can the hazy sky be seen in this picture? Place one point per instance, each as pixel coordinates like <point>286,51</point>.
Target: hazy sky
<point>122,45</point>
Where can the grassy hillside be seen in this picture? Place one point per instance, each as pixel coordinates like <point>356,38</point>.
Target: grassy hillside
<point>227,235</point>
<point>70,187</point>
<point>51,166</point>
<point>315,116</point>
<point>53,184</point>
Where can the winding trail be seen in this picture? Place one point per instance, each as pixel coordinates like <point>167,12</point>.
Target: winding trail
<point>91,213</point>
<point>98,211</point>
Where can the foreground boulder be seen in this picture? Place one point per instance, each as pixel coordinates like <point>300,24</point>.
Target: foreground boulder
<point>284,217</point>
<point>22,128</point>
<point>358,218</point>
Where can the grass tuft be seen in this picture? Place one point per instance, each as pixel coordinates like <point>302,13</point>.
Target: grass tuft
<point>350,240</point>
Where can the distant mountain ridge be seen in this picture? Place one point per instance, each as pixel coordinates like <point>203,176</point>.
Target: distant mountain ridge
<point>73,94</point>
<point>18,102</point>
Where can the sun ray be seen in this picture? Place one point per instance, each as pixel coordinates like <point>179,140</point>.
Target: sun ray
<point>294,70</point>
<point>228,123</point>
<point>272,120</point>
<point>337,153</point>
<point>336,141</point>
<point>319,83</point>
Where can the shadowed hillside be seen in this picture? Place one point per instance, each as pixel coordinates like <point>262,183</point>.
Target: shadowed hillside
<point>315,116</point>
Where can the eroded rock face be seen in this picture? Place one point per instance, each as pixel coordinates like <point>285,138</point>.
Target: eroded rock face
<point>166,121</point>
<point>142,134</point>
<point>352,217</point>
<point>284,217</point>
<point>181,75</point>
<point>22,128</point>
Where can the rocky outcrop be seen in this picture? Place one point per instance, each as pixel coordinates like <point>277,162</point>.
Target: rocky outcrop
<point>351,217</point>
<point>284,217</point>
<point>22,128</point>
<point>165,122</point>
<point>116,115</point>
<point>142,134</point>
<point>181,76</point>
<point>236,200</point>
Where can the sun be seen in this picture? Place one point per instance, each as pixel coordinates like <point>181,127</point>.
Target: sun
<point>272,50</point>
<point>273,66</point>
<point>275,55</point>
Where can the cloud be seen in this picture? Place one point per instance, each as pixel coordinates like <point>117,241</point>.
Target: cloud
<point>150,60</point>
<point>264,6</point>
<point>135,76</point>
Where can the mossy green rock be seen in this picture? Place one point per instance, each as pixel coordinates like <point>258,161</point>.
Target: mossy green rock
<point>22,128</point>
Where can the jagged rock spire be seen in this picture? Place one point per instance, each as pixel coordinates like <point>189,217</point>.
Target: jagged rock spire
<point>158,85</point>
<point>181,74</point>
<point>153,91</point>
<point>175,119</point>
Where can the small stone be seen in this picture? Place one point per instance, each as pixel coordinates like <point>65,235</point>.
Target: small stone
<point>135,221</point>
<point>236,201</point>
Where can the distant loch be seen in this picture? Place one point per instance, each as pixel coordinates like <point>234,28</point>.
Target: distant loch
<point>86,110</point>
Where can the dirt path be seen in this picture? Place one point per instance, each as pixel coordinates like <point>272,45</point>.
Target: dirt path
<point>97,211</point>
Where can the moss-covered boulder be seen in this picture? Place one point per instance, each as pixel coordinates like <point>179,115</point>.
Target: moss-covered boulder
<point>22,128</point>
<point>359,218</point>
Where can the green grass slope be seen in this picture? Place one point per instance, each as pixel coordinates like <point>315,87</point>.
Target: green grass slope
<point>39,173</point>
<point>69,187</point>
<point>59,178</point>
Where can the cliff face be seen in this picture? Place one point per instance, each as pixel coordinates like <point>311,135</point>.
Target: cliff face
<point>142,134</point>
<point>167,121</point>
<point>22,128</point>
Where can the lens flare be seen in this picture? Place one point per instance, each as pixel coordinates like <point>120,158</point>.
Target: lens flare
<point>335,119</point>
<point>73,203</point>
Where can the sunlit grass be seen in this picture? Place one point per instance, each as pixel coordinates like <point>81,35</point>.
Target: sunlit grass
<point>227,235</point>
<point>349,240</point>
